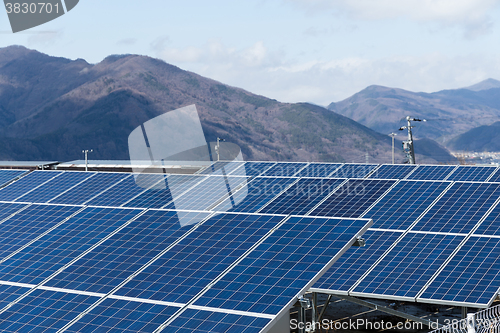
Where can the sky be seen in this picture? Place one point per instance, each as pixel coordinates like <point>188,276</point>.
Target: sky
<point>317,51</point>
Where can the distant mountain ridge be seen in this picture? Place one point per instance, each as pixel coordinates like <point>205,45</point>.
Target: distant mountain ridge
<point>449,112</point>
<point>51,108</point>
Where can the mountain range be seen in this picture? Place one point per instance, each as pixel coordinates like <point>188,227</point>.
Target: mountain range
<point>52,108</point>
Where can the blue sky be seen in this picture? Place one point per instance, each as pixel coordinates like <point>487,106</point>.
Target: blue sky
<point>317,51</point>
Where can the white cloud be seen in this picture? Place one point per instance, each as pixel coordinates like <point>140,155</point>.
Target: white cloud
<point>472,15</point>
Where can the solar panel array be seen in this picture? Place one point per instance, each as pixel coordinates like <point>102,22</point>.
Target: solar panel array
<point>231,247</point>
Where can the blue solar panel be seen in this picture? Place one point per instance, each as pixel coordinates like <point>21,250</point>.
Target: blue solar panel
<point>460,208</point>
<point>123,316</point>
<point>431,172</point>
<point>159,196</point>
<point>393,171</point>
<point>126,252</point>
<point>302,196</point>
<point>29,224</point>
<point>354,171</point>
<point>207,193</point>
<point>222,168</point>
<point>495,177</point>
<point>9,294</point>
<point>472,276</point>
<point>6,209</point>
<point>44,311</point>
<point>356,261</point>
<point>353,198</point>
<point>126,190</point>
<point>284,169</point>
<point>319,170</point>
<point>255,194</point>
<point>63,244</point>
<point>200,321</point>
<point>399,208</point>
<point>54,187</point>
<point>8,175</point>
<point>199,258</point>
<point>283,265</point>
<point>471,173</point>
<point>26,183</point>
<point>252,169</point>
<point>88,189</point>
<point>491,225</point>
<point>409,265</point>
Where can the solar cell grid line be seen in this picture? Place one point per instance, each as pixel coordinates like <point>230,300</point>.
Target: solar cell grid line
<point>451,173</point>
<point>495,177</point>
<point>8,175</point>
<point>200,257</point>
<point>259,191</point>
<point>127,251</point>
<point>114,315</point>
<point>222,168</point>
<point>302,196</point>
<point>206,193</point>
<point>43,311</point>
<point>404,203</point>
<point>9,209</point>
<point>471,277</point>
<point>26,184</point>
<point>88,188</point>
<point>491,224</point>
<point>461,208</point>
<point>285,169</point>
<point>353,264</point>
<point>54,251</point>
<point>472,173</point>
<point>10,293</point>
<point>55,187</point>
<point>392,171</point>
<point>352,198</point>
<point>319,170</point>
<point>202,321</point>
<point>431,172</point>
<point>252,169</point>
<point>285,264</point>
<point>408,266</point>
<point>27,225</point>
<point>159,196</point>
<point>125,190</point>
<point>353,170</point>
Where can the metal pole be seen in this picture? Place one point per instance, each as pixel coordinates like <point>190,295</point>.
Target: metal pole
<point>86,151</point>
<point>410,141</point>
<point>314,310</point>
<point>392,135</point>
<point>218,155</point>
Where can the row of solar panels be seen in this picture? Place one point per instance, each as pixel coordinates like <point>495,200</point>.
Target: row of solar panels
<point>94,269</point>
<point>351,170</point>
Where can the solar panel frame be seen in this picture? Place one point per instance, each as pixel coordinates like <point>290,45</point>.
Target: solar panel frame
<point>472,173</point>
<point>55,187</point>
<point>259,192</point>
<point>252,169</point>
<point>85,190</point>
<point>222,168</point>
<point>432,172</point>
<point>302,196</point>
<point>26,184</point>
<point>404,203</point>
<point>392,171</point>
<point>349,200</point>
<point>285,169</point>
<point>451,285</point>
<point>8,175</point>
<point>407,267</point>
<point>460,208</point>
<point>242,289</point>
<point>495,176</point>
<point>353,170</point>
<point>317,170</point>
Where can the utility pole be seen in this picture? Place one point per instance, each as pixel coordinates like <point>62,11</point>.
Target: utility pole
<point>393,135</point>
<point>86,159</point>
<point>217,148</point>
<point>408,147</point>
